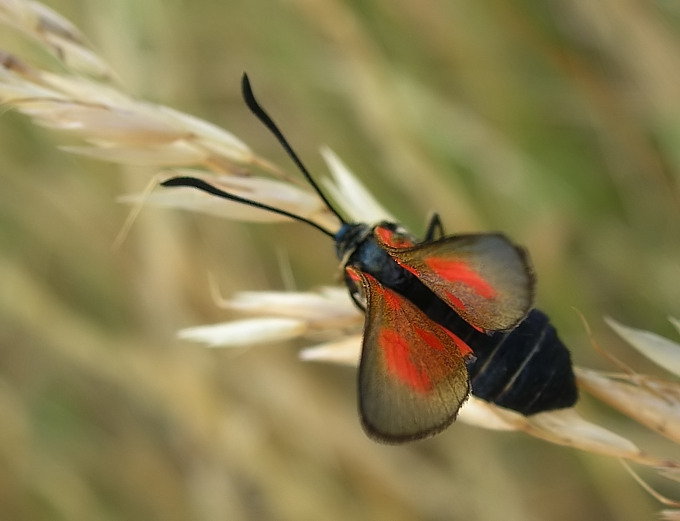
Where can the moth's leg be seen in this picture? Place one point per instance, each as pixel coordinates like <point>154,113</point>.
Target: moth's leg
<point>435,229</point>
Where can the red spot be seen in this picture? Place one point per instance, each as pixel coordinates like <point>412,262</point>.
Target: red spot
<point>462,346</point>
<point>397,358</point>
<point>457,303</point>
<point>392,239</point>
<point>430,338</point>
<point>458,271</point>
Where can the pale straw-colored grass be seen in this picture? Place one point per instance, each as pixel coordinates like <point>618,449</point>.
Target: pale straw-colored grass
<point>82,96</point>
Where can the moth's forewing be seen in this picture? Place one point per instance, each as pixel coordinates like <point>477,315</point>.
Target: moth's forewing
<point>485,278</point>
<point>412,375</point>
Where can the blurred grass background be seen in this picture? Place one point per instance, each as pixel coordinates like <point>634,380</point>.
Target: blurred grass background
<point>556,122</point>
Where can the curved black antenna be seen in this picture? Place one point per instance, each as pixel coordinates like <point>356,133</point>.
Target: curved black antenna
<point>256,109</point>
<point>207,187</point>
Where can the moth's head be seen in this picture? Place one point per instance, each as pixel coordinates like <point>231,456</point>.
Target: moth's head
<point>349,238</point>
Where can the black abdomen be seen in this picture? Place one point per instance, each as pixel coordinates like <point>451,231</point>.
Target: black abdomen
<point>528,369</point>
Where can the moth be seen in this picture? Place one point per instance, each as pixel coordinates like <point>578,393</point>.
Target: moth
<point>446,316</point>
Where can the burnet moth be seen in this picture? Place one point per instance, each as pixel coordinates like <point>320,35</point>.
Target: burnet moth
<point>445,316</point>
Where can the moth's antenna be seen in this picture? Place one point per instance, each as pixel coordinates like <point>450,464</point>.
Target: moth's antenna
<point>256,109</point>
<point>207,187</point>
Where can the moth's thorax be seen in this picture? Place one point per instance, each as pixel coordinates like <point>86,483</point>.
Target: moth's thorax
<point>356,246</point>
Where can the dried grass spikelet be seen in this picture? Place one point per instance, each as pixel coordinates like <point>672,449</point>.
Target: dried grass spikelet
<point>650,401</point>
<point>122,129</point>
<point>58,36</point>
<point>87,103</point>
<point>265,190</point>
<point>126,131</point>
<point>275,316</point>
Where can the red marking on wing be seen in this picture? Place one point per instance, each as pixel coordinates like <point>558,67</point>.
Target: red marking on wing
<point>457,303</point>
<point>392,239</point>
<point>464,348</point>
<point>398,361</point>
<point>398,353</point>
<point>458,271</point>
<point>429,338</point>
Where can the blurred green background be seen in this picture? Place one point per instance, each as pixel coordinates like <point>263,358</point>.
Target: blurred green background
<point>556,122</point>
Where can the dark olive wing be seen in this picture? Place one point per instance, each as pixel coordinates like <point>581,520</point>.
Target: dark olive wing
<point>412,375</point>
<point>485,278</point>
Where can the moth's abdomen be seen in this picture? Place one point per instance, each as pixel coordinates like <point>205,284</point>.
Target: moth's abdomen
<point>527,369</point>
